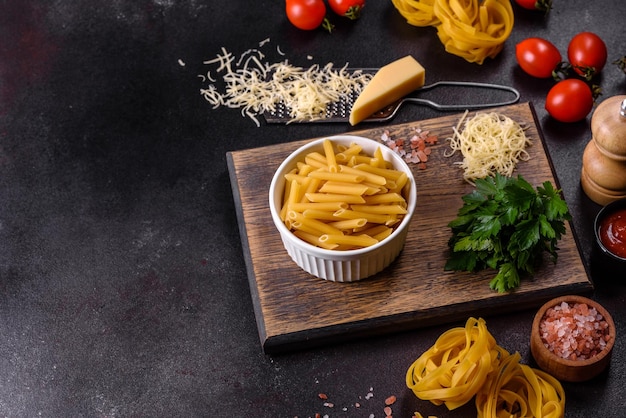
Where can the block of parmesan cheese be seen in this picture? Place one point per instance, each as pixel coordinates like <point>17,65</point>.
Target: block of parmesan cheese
<point>390,83</point>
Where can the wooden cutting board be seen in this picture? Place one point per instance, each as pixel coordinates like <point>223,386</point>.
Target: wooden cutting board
<point>295,310</point>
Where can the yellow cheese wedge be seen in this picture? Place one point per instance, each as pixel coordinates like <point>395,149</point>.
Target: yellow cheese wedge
<point>390,83</point>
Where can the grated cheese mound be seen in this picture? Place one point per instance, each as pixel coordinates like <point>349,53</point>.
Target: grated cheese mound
<point>489,143</point>
<point>256,86</point>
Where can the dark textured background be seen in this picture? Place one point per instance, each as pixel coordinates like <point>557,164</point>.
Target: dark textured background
<point>123,290</point>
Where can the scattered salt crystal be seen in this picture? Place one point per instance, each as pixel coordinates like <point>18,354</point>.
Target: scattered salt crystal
<point>413,150</point>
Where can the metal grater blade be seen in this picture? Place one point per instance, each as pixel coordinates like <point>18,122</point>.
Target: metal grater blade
<point>340,111</point>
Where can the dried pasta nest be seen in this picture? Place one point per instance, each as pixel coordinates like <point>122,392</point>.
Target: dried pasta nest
<point>471,29</point>
<point>465,363</point>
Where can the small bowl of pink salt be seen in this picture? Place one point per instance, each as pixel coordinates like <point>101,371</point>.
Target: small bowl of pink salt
<point>572,338</point>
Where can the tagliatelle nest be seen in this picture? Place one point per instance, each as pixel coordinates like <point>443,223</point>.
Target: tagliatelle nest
<point>466,363</point>
<point>471,29</point>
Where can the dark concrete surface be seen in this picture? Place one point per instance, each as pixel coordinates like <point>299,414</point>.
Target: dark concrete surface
<point>123,288</point>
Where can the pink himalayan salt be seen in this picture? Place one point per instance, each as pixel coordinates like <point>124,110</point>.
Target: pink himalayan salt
<point>574,331</point>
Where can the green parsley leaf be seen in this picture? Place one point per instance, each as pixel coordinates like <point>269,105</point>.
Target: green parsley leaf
<point>506,225</point>
<point>506,279</point>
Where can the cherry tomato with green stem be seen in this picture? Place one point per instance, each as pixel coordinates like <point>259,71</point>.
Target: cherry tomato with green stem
<point>306,14</point>
<point>537,57</point>
<point>587,54</point>
<point>569,100</point>
<point>541,5</point>
<point>348,8</point>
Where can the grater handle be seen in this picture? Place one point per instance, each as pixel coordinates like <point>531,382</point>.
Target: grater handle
<point>438,106</point>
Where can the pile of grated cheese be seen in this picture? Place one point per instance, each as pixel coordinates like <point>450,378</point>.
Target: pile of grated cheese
<point>256,86</point>
<point>489,143</point>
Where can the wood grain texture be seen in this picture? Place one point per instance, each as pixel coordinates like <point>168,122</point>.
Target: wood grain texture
<point>295,310</point>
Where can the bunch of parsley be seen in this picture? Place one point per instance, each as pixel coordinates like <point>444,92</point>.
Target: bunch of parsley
<point>506,225</point>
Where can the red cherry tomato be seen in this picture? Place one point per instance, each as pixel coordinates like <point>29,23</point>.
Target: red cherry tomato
<point>348,8</point>
<point>587,54</point>
<point>569,100</point>
<point>306,14</point>
<point>541,5</point>
<point>537,57</point>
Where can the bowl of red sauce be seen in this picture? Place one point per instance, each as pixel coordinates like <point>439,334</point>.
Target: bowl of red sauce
<point>572,338</point>
<point>610,232</point>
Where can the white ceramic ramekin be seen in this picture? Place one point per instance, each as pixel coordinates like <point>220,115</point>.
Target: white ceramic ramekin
<point>350,265</point>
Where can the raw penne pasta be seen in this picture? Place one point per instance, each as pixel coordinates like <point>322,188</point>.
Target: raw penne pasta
<point>384,198</point>
<point>299,226</point>
<point>316,156</point>
<point>383,234</point>
<point>321,215</point>
<point>311,187</point>
<point>314,161</point>
<point>382,209</point>
<point>354,240</point>
<point>385,172</point>
<point>329,153</point>
<point>360,159</point>
<point>314,240</point>
<point>308,223</point>
<point>304,169</point>
<point>291,195</point>
<point>369,177</point>
<point>344,188</point>
<point>393,221</point>
<point>327,206</point>
<point>371,217</point>
<point>295,193</point>
<point>332,197</point>
<point>378,160</point>
<point>297,177</point>
<point>283,209</point>
<point>391,186</point>
<point>349,224</point>
<point>401,181</point>
<point>373,189</point>
<point>336,176</point>
<point>344,193</point>
<point>345,154</point>
<point>374,229</point>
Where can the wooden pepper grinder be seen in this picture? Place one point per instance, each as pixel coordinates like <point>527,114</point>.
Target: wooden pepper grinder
<point>603,175</point>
